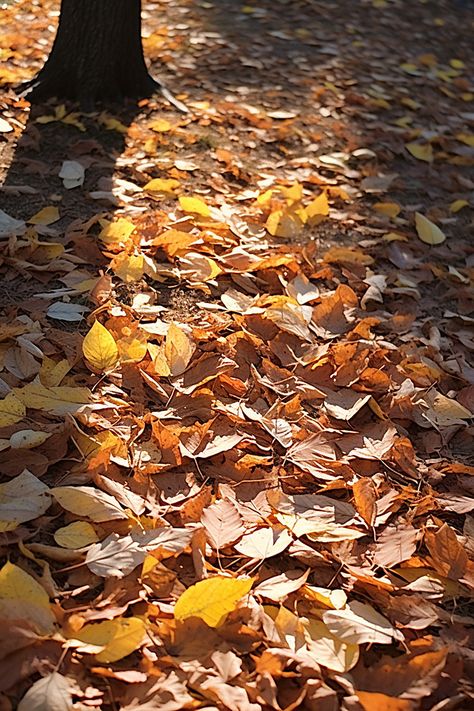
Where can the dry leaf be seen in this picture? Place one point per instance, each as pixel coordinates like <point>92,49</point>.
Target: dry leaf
<point>99,348</point>
<point>212,599</point>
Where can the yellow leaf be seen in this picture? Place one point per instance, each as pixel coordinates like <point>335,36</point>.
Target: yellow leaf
<point>12,410</point>
<point>212,599</point>
<point>132,348</point>
<point>421,151</point>
<point>284,224</point>
<point>458,205</point>
<point>428,232</point>
<point>161,126</point>
<point>88,502</point>
<point>51,373</point>
<point>179,349</point>
<point>21,596</point>
<point>457,63</point>
<point>112,124</point>
<point>319,206</point>
<point>410,103</point>
<point>409,68</point>
<point>118,638</point>
<point>390,209</point>
<point>118,231</point>
<point>46,216</point>
<point>194,204</point>
<point>99,348</point>
<point>467,138</point>
<point>167,186</point>
<point>293,194</point>
<point>265,197</point>
<point>160,362</point>
<point>128,267</point>
<point>76,535</point>
<point>55,400</point>
<point>348,255</point>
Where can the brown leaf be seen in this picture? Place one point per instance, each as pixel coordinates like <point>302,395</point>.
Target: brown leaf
<point>449,557</point>
<point>365,497</point>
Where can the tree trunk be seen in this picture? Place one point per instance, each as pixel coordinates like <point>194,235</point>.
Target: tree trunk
<point>97,54</point>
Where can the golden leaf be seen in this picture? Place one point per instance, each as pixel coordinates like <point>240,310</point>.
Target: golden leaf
<point>99,348</point>
<point>194,204</point>
<point>118,638</point>
<point>212,599</point>
<point>167,186</point>
<point>390,209</point>
<point>421,151</point>
<point>12,410</point>
<point>46,216</point>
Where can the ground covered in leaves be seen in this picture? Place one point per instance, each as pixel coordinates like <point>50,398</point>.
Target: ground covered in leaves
<point>236,379</point>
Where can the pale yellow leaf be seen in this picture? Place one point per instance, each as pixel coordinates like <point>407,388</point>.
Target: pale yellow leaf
<point>212,599</point>
<point>89,502</point>
<point>428,232</point>
<point>390,209</point>
<point>421,151</point>
<point>282,223</point>
<point>179,349</point>
<point>118,637</point>
<point>128,267</point>
<point>12,410</point>
<point>76,535</point>
<point>118,231</point>
<point>99,348</point>
<point>457,205</point>
<point>46,216</point>
<point>52,373</point>
<point>467,138</point>
<point>21,596</point>
<point>55,400</point>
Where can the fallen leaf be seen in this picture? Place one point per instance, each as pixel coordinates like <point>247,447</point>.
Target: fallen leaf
<point>46,216</point>
<point>194,204</point>
<point>421,151</point>
<point>88,502</point>
<point>428,232</point>
<point>99,348</point>
<point>22,597</point>
<point>360,623</point>
<point>118,638</point>
<point>331,652</point>
<point>23,498</point>
<point>76,535</point>
<point>212,599</point>
<point>52,692</point>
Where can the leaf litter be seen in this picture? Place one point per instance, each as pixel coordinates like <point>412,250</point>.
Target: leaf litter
<point>236,387</point>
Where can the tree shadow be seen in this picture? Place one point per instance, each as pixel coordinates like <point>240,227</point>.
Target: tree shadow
<point>32,183</point>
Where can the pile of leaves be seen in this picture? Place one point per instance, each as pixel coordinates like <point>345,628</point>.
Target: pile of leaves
<point>236,381</point>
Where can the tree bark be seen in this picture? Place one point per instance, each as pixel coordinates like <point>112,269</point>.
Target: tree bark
<point>97,54</point>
